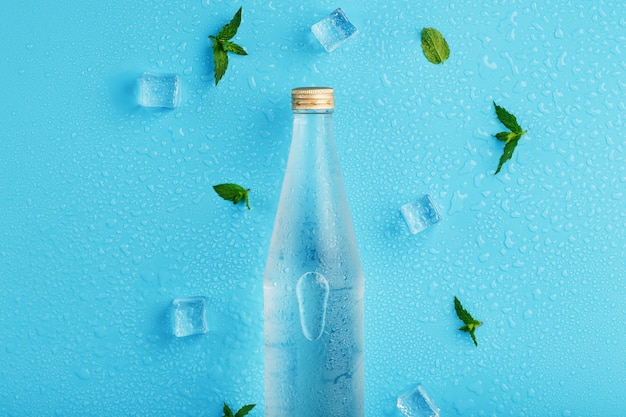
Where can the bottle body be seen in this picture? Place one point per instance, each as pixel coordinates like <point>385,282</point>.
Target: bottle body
<point>313,286</point>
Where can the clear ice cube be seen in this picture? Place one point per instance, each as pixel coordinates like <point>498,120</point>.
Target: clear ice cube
<point>421,214</point>
<point>159,90</point>
<point>417,403</point>
<point>189,316</point>
<point>333,30</point>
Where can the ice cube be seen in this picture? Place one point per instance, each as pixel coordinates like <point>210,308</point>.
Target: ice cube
<point>417,403</point>
<point>420,214</point>
<point>159,90</point>
<point>333,30</point>
<point>189,316</point>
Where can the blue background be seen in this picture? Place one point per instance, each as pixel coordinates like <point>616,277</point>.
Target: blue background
<point>107,210</point>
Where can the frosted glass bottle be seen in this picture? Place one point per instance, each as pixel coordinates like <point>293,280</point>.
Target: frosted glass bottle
<point>313,284</point>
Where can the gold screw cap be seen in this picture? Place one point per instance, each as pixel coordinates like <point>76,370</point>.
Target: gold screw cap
<point>312,98</point>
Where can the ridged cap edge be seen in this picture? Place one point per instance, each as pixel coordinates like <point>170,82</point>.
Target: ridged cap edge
<point>312,98</point>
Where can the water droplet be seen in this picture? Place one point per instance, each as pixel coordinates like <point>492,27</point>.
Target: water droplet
<point>83,373</point>
<point>462,406</point>
<point>558,33</point>
<point>476,387</point>
<point>312,292</point>
<point>490,65</point>
<point>508,241</point>
<point>457,202</point>
<point>385,80</point>
<point>528,314</point>
<point>560,63</point>
<point>469,166</point>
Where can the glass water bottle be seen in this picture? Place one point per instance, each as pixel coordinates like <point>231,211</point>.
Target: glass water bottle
<point>313,284</point>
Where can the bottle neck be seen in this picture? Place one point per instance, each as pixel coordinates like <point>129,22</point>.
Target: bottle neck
<point>313,126</point>
<point>314,111</point>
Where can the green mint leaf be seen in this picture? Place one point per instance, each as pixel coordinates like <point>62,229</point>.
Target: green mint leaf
<point>471,324</point>
<point>233,192</point>
<point>434,46</point>
<point>222,45</point>
<point>507,119</point>
<point>227,411</point>
<point>244,410</point>
<point>246,198</point>
<point>510,146</point>
<point>233,47</point>
<point>230,30</point>
<point>471,329</point>
<point>473,337</point>
<point>505,136</point>
<point>461,313</point>
<point>220,59</point>
<point>510,138</point>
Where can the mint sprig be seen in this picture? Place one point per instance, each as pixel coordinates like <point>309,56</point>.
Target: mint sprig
<point>233,192</point>
<point>434,46</point>
<point>471,324</point>
<point>222,45</point>
<point>241,413</point>
<point>509,138</point>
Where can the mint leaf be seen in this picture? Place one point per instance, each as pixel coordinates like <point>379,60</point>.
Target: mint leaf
<point>505,136</point>
<point>230,30</point>
<point>471,324</point>
<point>509,147</point>
<point>244,410</point>
<point>471,330</point>
<point>434,46</point>
<point>227,411</point>
<point>507,119</point>
<point>473,335</point>
<point>233,192</point>
<point>234,48</point>
<point>220,59</point>
<point>222,45</point>
<point>509,138</point>
<point>461,313</point>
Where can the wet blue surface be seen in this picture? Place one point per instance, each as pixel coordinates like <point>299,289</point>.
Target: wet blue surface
<point>108,211</point>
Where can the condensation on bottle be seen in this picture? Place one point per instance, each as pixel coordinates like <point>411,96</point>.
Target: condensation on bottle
<point>313,283</point>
